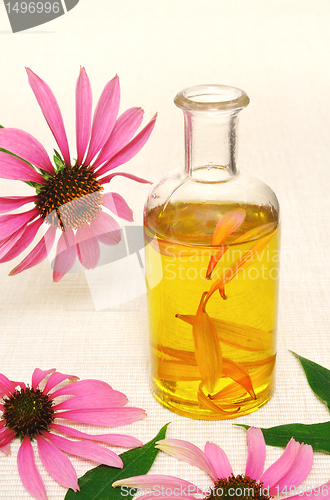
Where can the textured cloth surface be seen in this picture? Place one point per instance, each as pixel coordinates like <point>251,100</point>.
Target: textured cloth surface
<point>278,52</point>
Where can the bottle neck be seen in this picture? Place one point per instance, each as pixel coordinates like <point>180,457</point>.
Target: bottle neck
<point>210,145</point>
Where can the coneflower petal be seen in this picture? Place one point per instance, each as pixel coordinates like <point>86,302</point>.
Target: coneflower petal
<point>15,244</point>
<point>56,378</point>
<point>112,439</point>
<point>66,253</point>
<point>131,149</point>
<point>10,203</point>
<point>38,254</point>
<point>80,388</point>
<point>88,247</point>
<point>28,471</point>
<point>27,147</point>
<point>57,464</point>
<point>106,229</point>
<point>104,399</point>
<point>273,475</point>
<point>86,449</point>
<point>218,459</point>
<point>109,177</point>
<point>83,114</point>
<point>104,118</point>
<point>117,205</point>
<point>256,453</point>
<point>39,375</point>
<point>13,168</point>
<point>51,112</point>
<point>123,131</point>
<point>112,417</point>
<point>152,480</point>
<point>9,224</point>
<point>299,471</point>
<point>187,452</point>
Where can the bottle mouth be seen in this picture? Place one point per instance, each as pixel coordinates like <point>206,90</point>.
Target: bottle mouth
<point>213,97</point>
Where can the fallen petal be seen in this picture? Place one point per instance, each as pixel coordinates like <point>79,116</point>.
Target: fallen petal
<point>111,417</point>
<point>112,439</point>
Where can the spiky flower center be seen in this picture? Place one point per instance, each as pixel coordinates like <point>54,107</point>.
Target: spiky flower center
<point>71,199</point>
<point>27,412</point>
<point>238,488</point>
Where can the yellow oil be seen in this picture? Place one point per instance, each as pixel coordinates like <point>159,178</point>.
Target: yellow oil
<point>178,250</point>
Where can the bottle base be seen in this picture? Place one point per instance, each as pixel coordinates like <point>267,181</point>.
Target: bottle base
<point>192,409</point>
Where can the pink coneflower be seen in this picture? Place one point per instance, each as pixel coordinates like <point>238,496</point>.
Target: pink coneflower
<point>287,472</point>
<point>69,195</point>
<point>29,413</point>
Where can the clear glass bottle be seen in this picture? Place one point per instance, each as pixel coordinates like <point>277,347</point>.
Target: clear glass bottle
<point>212,257</point>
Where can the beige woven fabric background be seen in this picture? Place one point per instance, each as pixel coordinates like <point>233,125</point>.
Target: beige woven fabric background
<point>278,51</point>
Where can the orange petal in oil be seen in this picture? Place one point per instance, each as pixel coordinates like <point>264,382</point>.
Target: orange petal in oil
<point>239,374</point>
<point>227,224</point>
<point>205,401</point>
<point>207,348</point>
<point>237,335</point>
<point>242,263</point>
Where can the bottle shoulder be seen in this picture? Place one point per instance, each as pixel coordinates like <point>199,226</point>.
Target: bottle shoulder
<point>200,203</point>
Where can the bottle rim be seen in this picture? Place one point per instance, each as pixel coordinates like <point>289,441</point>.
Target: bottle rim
<point>211,98</point>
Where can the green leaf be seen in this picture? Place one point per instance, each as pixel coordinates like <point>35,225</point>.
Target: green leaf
<point>317,435</point>
<point>1,126</point>
<point>318,378</point>
<point>96,484</point>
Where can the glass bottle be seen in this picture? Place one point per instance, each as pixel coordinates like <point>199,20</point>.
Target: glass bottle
<point>212,257</point>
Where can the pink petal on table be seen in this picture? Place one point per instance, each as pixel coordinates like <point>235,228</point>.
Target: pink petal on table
<point>123,131</point>
<point>28,471</point>
<point>218,459</point>
<point>131,149</point>
<point>39,375</point>
<point>51,112</point>
<point>112,439</point>
<point>13,222</point>
<point>81,387</point>
<point>6,385</point>
<point>104,399</point>
<point>188,452</point>
<point>38,254</point>
<point>104,118</point>
<point>83,114</point>
<point>272,476</point>
<point>9,203</point>
<point>56,378</point>
<point>13,168</point>
<point>15,244</point>
<point>88,248</point>
<point>106,229</point>
<point>117,205</point>
<point>66,253</point>
<point>27,147</point>
<point>109,177</point>
<point>299,471</point>
<point>2,422</point>
<point>152,480</point>
<point>256,453</point>
<point>57,464</point>
<point>86,449</point>
<point>111,417</point>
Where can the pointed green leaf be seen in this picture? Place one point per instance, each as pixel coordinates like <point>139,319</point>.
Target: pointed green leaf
<point>96,484</point>
<point>1,126</point>
<point>58,155</point>
<point>58,163</point>
<point>318,378</point>
<point>317,435</point>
